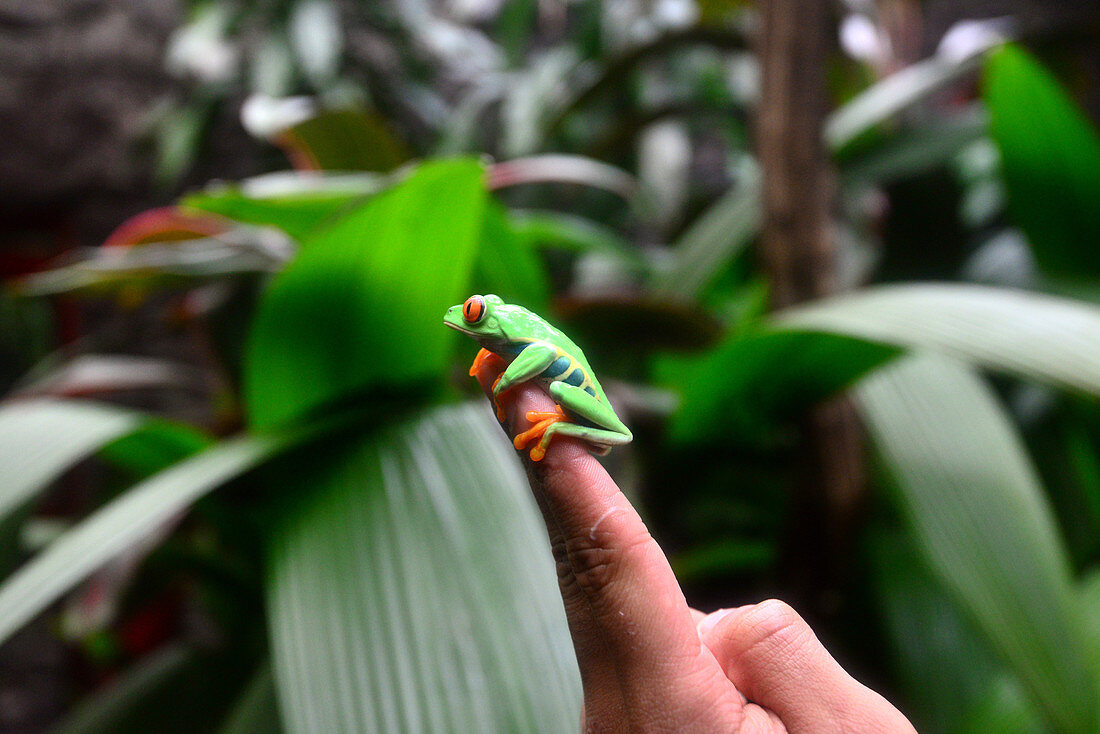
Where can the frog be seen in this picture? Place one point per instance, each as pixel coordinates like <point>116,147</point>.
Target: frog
<point>532,349</point>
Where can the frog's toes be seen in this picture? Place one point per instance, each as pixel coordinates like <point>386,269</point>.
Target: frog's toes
<point>535,432</point>
<point>497,398</point>
<point>542,421</point>
<point>501,415</point>
<point>535,416</point>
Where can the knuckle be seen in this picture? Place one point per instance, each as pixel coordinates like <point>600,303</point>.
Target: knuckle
<point>595,567</point>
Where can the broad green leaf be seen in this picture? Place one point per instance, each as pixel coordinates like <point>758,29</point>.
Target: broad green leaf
<point>127,520</point>
<point>716,237</point>
<point>344,140</point>
<point>740,388</point>
<point>507,265</point>
<point>978,513</point>
<point>1090,604</point>
<point>1053,340</point>
<point>1005,709</point>
<point>413,588</point>
<point>156,446</point>
<point>361,306</point>
<point>298,215</point>
<point>947,669</point>
<point>1051,161</point>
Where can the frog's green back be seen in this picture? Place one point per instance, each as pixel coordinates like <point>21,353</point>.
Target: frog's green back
<point>524,325</point>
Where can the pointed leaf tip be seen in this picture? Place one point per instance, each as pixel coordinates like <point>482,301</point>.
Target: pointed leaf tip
<point>360,307</point>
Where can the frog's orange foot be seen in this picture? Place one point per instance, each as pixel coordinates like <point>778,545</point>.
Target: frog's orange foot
<point>496,399</point>
<point>542,421</point>
<point>484,356</point>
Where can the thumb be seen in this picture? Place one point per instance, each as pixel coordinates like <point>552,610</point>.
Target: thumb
<point>773,657</point>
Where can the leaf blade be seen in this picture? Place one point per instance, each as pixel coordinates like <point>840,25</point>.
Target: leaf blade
<point>748,381</point>
<point>721,233</point>
<point>390,612</point>
<point>977,511</point>
<point>366,294</point>
<point>1051,160</point>
<point>1054,340</point>
<point>41,438</point>
<point>126,521</point>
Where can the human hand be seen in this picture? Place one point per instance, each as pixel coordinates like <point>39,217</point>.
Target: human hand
<point>650,663</point>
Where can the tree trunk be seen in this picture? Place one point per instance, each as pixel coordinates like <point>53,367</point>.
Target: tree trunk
<point>799,257</point>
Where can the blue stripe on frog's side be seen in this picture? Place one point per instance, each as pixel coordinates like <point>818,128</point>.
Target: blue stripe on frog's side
<point>576,377</point>
<point>511,349</point>
<point>557,367</point>
<point>563,368</point>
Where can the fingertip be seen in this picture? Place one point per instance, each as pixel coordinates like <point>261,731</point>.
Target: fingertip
<point>745,639</point>
<point>486,372</point>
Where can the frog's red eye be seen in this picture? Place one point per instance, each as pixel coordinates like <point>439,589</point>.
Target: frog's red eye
<point>474,309</point>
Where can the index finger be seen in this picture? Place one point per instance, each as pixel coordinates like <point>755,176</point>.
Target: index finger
<point>625,608</point>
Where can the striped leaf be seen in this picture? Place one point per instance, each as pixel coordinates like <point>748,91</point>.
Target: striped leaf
<point>40,439</point>
<point>1054,340</point>
<point>413,590</point>
<point>978,512</point>
<point>128,520</point>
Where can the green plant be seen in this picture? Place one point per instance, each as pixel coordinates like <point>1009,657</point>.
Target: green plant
<point>383,528</point>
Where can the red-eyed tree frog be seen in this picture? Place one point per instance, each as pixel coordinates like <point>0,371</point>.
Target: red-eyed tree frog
<point>535,350</point>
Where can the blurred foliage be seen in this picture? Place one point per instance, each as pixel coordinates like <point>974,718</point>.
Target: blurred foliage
<point>371,560</point>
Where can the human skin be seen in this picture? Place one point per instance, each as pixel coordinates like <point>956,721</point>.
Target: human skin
<point>650,663</point>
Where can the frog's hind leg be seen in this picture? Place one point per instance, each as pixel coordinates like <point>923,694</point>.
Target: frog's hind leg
<point>600,439</point>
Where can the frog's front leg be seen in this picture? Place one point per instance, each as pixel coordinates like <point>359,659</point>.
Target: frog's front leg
<point>527,365</point>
